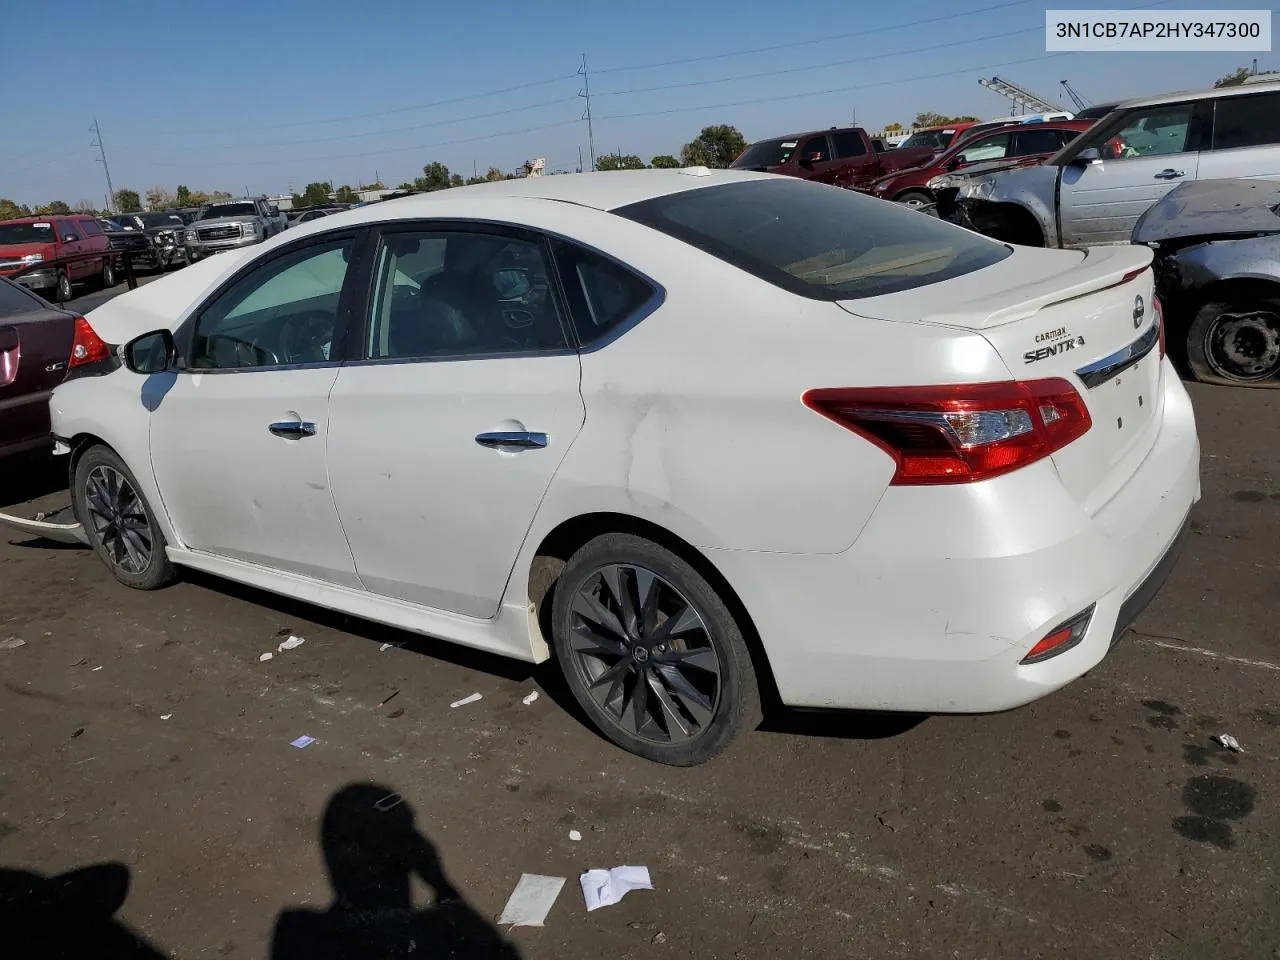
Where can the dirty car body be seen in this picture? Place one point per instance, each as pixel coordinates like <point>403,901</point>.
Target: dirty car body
<point>1217,266</point>
<point>570,364</point>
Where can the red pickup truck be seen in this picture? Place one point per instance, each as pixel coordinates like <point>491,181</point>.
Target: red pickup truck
<point>49,254</point>
<point>844,156</point>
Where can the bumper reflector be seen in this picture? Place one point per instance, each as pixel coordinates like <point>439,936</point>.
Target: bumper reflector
<point>1060,639</point>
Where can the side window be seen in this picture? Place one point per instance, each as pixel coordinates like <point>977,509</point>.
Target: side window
<point>848,144</point>
<point>602,293</point>
<point>1149,132</point>
<point>456,294</point>
<point>67,230</point>
<point>1246,121</point>
<point>815,150</point>
<point>993,147</point>
<point>90,228</point>
<point>1037,140</point>
<point>283,312</point>
<point>1066,136</point>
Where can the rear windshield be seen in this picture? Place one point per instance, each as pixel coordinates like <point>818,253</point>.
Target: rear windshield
<point>818,241</point>
<point>766,153</point>
<point>933,139</point>
<point>26,233</point>
<point>14,300</point>
<point>228,210</point>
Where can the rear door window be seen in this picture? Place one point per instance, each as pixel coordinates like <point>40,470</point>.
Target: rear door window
<point>603,295</point>
<point>90,228</point>
<point>1247,121</point>
<point>1037,140</point>
<point>847,144</point>
<point>816,241</point>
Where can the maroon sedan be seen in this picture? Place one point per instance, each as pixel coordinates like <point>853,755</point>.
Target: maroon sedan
<point>39,345</point>
<point>1028,141</point>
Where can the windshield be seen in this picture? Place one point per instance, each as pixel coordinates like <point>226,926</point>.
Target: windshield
<point>228,210</point>
<point>766,153</point>
<point>161,219</point>
<point>818,241</point>
<point>26,233</point>
<point>933,139</point>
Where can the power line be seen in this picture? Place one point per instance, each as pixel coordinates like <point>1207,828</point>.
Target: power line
<point>821,66</point>
<point>824,39</point>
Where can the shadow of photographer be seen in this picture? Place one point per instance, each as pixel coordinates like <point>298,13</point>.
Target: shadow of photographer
<point>372,850</point>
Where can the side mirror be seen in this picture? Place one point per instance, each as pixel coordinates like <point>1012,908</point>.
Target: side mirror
<point>955,162</point>
<point>67,238</point>
<point>1087,157</point>
<point>152,352</point>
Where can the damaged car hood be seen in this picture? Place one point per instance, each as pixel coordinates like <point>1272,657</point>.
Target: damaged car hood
<point>1212,208</point>
<point>983,169</point>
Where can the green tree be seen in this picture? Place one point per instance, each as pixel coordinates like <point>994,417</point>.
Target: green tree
<point>472,181</point>
<point>435,176</point>
<point>493,174</point>
<point>12,211</point>
<point>128,201</point>
<point>315,194</point>
<point>183,196</point>
<point>892,127</point>
<point>346,195</point>
<point>664,161</point>
<point>618,161</point>
<point>52,207</point>
<point>939,120</point>
<point>1238,76</point>
<point>716,147</point>
<point>455,180</point>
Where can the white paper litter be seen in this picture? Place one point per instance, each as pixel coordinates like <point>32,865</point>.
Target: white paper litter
<point>575,836</point>
<point>291,644</point>
<point>265,657</point>
<point>384,648</point>
<point>95,669</point>
<point>302,742</point>
<point>530,698</point>
<point>531,900</point>
<point>465,700</point>
<point>603,888</point>
<point>13,643</point>
<point>1229,742</point>
<point>166,716</point>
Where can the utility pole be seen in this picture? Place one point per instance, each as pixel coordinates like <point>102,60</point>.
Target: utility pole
<point>102,159</point>
<point>579,158</point>
<point>586,95</point>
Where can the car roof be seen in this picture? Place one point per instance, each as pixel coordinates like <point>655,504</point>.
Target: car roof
<point>36,218</point>
<point>1236,90</point>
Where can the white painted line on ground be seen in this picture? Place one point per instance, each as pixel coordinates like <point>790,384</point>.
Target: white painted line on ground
<point>1210,654</point>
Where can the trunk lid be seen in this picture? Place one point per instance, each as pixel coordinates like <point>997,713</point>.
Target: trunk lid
<point>1084,316</point>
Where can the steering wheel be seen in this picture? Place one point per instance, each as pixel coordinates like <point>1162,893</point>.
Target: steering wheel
<point>304,336</point>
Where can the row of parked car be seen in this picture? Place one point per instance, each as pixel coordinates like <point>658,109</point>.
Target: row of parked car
<point>52,254</point>
<point>1204,157</point>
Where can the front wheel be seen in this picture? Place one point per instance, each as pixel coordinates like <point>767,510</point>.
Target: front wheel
<point>914,198</point>
<point>63,292</point>
<point>651,652</point>
<point>108,275</point>
<point>1236,342</point>
<point>120,525</point>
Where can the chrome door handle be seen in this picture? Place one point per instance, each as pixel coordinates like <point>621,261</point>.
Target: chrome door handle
<point>519,439</point>
<point>293,429</point>
<point>1168,173</point>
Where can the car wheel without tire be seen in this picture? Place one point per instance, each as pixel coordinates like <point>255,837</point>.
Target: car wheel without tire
<point>120,525</point>
<point>914,198</point>
<point>651,652</point>
<point>1236,342</point>
<point>63,292</point>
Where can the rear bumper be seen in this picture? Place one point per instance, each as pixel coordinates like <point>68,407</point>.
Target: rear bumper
<point>947,588</point>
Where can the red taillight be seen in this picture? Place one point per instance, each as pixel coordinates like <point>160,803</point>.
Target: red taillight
<point>87,347</point>
<point>1155,302</point>
<point>961,433</point>
<point>1060,639</point>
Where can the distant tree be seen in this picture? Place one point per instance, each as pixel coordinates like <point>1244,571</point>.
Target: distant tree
<point>376,185</point>
<point>85,205</point>
<point>12,211</point>
<point>345,194</point>
<point>198,198</point>
<point>51,208</point>
<point>493,174</point>
<point>128,201</point>
<point>471,181</point>
<point>315,194</point>
<point>222,195</point>
<point>435,176</point>
<point>892,127</point>
<point>618,161</point>
<point>405,186</point>
<point>664,161</point>
<point>939,119</point>
<point>159,198</point>
<point>455,180</point>
<point>183,197</point>
<point>1239,76</point>
<point>716,146</point>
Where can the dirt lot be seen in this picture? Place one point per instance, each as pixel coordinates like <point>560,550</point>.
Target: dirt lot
<point>143,730</point>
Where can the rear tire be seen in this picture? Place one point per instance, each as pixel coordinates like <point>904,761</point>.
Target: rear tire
<point>108,275</point>
<point>1236,342</point>
<point>651,651</point>
<point>118,521</point>
<point>63,291</point>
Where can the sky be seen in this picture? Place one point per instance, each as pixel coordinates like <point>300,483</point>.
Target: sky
<point>269,95</point>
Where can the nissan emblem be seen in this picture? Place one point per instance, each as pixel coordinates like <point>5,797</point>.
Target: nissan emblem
<point>1138,309</point>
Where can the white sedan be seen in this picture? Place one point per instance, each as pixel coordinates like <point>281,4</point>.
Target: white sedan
<point>696,435</point>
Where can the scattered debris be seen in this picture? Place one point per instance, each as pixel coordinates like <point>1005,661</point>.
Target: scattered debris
<point>389,802</point>
<point>292,643</point>
<point>465,700</point>
<point>1228,742</point>
<point>265,657</point>
<point>302,742</point>
<point>531,900</point>
<point>390,697</point>
<point>77,732</point>
<point>81,662</point>
<point>659,937</point>
<point>166,716</point>
<point>384,648</point>
<point>530,698</point>
<point>396,713</point>
<point>13,643</point>
<point>575,836</point>
<point>603,888</point>
<point>642,925</point>
<point>95,669</point>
